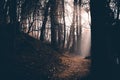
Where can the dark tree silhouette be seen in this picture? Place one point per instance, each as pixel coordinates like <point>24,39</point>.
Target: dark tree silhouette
<point>54,23</point>
<point>44,21</point>
<point>102,50</point>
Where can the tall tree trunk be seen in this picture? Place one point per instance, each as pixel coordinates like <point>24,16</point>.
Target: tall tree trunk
<point>8,37</point>
<point>54,25</point>
<point>79,29</point>
<point>60,20</point>
<point>99,29</point>
<point>44,21</point>
<point>116,43</point>
<point>118,9</point>
<point>71,40</point>
<point>75,25</point>
<point>63,6</point>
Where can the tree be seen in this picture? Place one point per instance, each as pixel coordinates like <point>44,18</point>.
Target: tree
<point>54,23</point>
<point>75,29</point>
<point>101,29</point>
<point>63,6</point>
<point>44,21</point>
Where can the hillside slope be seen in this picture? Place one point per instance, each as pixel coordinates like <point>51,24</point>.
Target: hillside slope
<point>38,61</point>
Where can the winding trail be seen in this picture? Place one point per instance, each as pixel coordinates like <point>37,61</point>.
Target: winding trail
<point>38,61</point>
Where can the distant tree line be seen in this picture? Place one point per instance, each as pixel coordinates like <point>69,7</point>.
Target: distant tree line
<point>45,20</point>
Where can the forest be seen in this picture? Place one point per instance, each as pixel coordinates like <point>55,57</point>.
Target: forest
<point>60,39</point>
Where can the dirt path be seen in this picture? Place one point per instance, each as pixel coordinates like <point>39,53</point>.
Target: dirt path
<point>72,67</point>
<point>37,61</point>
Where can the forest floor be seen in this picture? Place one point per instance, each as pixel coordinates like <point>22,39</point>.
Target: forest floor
<point>38,61</point>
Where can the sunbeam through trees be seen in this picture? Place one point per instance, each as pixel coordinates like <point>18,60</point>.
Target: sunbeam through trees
<point>60,39</point>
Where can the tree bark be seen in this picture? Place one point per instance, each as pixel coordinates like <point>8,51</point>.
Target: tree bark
<point>54,23</point>
<point>44,21</point>
<point>63,6</point>
<point>101,67</point>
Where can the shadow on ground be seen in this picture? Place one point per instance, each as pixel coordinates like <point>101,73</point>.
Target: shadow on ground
<point>33,60</point>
